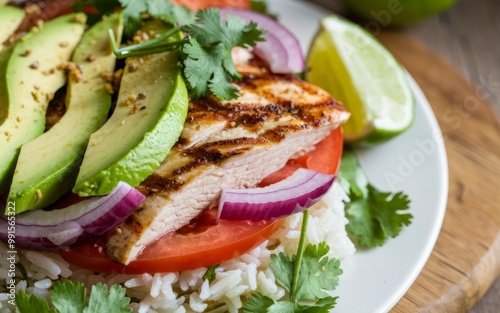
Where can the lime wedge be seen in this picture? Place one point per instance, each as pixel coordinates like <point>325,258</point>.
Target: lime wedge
<point>356,69</point>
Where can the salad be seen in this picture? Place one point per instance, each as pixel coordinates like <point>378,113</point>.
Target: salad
<point>298,285</point>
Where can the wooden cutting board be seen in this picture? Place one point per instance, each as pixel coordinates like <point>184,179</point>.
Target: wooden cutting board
<point>466,258</point>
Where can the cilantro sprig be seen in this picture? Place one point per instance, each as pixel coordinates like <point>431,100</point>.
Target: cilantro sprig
<point>309,277</point>
<point>205,50</point>
<point>374,216</point>
<point>71,297</point>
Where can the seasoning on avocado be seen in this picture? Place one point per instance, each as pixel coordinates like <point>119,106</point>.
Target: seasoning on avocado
<point>33,9</point>
<point>109,88</point>
<point>80,18</point>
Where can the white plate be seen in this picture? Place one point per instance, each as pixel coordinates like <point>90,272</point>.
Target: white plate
<point>415,162</point>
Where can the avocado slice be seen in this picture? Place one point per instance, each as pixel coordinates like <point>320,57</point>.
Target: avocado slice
<point>147,121</point>
<point>30,75</point>
<point>10,18</point>
<point>60,150</point>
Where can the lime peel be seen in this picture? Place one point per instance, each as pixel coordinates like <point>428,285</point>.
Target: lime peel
<point>355,68</point>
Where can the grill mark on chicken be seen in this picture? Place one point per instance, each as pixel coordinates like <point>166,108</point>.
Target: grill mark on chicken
<point>156,183</point>
<point>227,144</point>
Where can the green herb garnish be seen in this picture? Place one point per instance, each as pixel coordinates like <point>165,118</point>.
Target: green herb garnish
<point>70,297</point>
<point>374,216</point>
<point>205,51</point>
<point>308,276</point>
<point>261,6</point>
<point>210,273</point>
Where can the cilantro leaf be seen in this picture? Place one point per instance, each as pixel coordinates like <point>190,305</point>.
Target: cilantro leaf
<point>157,8</point>
<point>284,307</point>
<point>132,14</point>
<point>323,305</point>
<point>282,266</point>
<point>161,9</point>
<point>207,54</point>
<point>31,303</point>
<point>69,297</point>
<point>210,273</point>
<point>261,7</point>
<point>104,300</point>
<point>209,30</point>
<point>178,15</point>
<point>352,178</point>
<point>318,273</point>
<point>257,303</point>
<point>203,70</point>
<point>374,216</point>
<point>169,12</point>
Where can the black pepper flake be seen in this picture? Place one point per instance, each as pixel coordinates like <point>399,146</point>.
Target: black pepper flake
<point>141,96</point>
<point>143,107</point>
<point>26,53</point>
<point>34,65</point>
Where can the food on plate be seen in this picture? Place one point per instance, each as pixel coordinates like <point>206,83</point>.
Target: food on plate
<point>350,63</point>
<point>10,18</point>
<point>59,151</point>
<point>228,144</point>
<point>245,126</point>
<point>29,76</point>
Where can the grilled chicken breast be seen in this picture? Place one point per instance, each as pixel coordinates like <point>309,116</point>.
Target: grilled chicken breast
<point>228,144</point>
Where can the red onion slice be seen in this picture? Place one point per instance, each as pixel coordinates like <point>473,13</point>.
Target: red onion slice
<point>289,196</point>
<point>281,49</point>
<point>74,225</point>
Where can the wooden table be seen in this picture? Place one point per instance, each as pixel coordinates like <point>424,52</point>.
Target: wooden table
<point>467,37</point>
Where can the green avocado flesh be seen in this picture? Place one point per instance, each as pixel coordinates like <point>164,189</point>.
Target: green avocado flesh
<point>147,121</point>
<point>29,75</point>
<point>10,18</point>
<point>59,151</point>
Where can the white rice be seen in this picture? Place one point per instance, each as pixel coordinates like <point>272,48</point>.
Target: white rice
<point>186,291</point>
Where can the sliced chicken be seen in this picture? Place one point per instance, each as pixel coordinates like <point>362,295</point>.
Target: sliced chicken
<point>228,144</point>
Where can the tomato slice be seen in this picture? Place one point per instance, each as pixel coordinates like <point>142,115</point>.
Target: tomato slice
<point>188,248</point>
<point>194,5</point>
<point>206,240</point>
